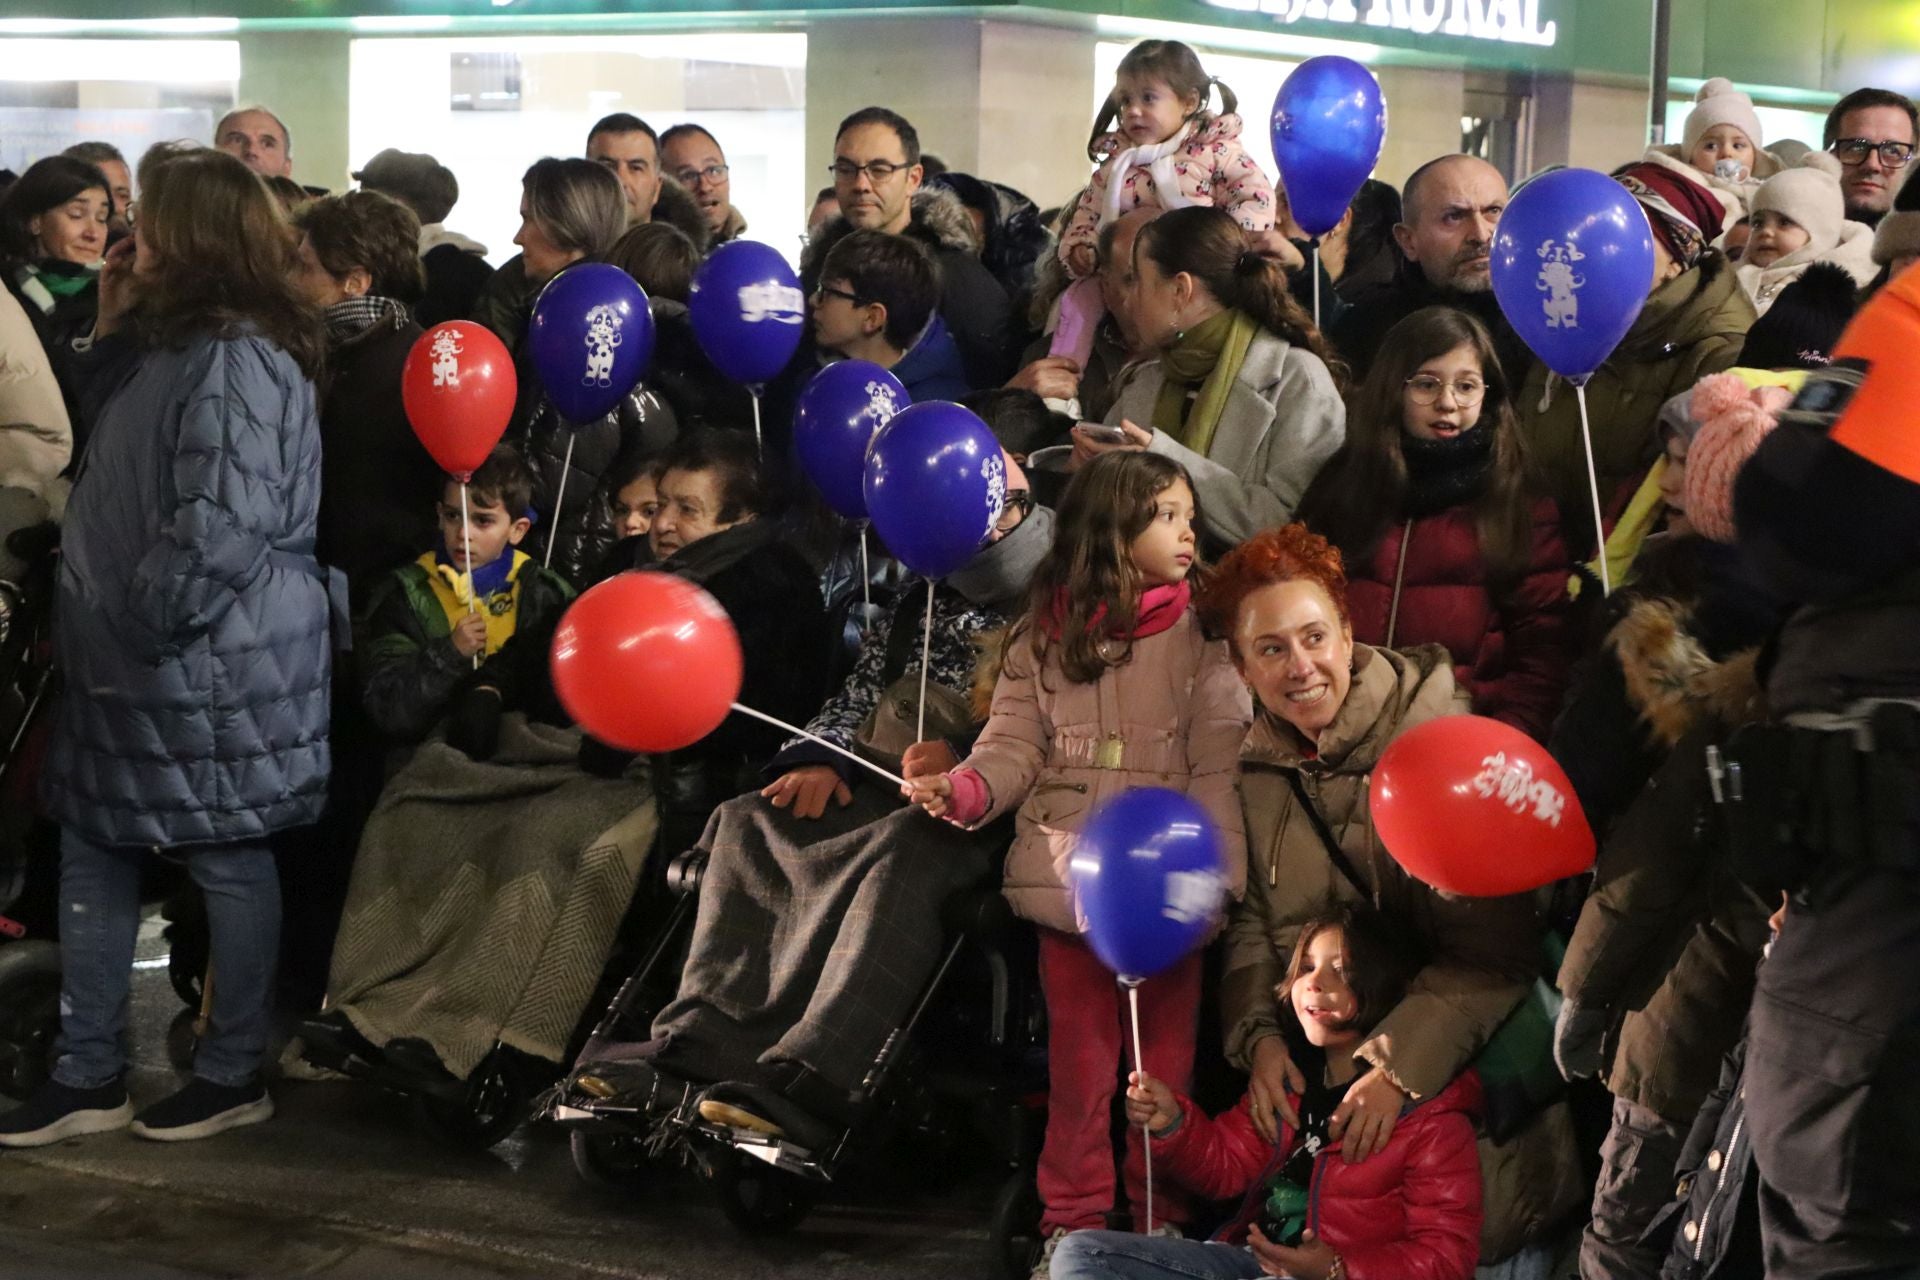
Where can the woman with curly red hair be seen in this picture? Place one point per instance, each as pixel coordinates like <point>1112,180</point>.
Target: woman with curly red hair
<point>1325,709</point>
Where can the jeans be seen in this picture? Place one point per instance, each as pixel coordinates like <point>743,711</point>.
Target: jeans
<point>99,919</point>
<point>1104,1255</point>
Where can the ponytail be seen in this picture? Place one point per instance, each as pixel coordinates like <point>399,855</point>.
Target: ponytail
<point>1229,105</point>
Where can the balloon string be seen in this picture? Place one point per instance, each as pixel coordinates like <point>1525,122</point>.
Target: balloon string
<point>466,536</point>
<point>926,660</point>
<point>1316,282</point>
<point>866,584</point>
<point>1139,1066</point>
<point>759,445</point>
<point>1593,488</point>
<point>559,497</point>
<point>863,762</point>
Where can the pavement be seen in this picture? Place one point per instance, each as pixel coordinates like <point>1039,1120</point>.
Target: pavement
<point>340,1183</point>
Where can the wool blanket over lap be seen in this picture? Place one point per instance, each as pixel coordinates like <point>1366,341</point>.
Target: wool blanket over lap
<point>486,896</point>
<point>813,937</point>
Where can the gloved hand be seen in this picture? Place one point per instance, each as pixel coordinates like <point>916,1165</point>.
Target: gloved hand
<point>473,722</point>
<point>601,760</point>
<point>1578,1036</point>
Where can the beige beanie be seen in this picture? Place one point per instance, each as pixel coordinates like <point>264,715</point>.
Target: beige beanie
<point>1718,102</point>
<point>1809,193</point>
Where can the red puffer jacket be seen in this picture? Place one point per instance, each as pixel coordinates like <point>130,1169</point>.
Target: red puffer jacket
<point>1410,1212</point>
<point>1513,656</point>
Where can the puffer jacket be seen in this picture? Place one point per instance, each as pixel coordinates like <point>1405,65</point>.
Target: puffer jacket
<point>1735,197</point>
<point>1427,583</point>
<point>1691,326</point>
<point>191,620</point>
<point>1409,1212</point>
<point>1211,166</point>
<point>1480,954</point>
<point>36,437</point>
<point>1177,705</point>
<point>1283,420</point>
<point>1669,937</point>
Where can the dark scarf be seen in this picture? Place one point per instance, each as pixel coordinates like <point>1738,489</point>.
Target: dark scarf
<point>1446,473</point>
<point>351,317</point>
<point>1000,573</point>
<point>713,555</point>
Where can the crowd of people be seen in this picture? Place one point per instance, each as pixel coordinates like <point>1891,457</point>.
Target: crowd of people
<point>1267,510</point>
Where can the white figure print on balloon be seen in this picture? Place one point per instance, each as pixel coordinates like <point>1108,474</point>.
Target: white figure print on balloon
<point>993,469</point>
<point>1558,281</point>
<point>446,358</point>
<point>881,404</point>
<point>603,335</point>
<point>1513,784</point>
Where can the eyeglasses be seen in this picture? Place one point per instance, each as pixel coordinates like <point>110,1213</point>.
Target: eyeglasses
<point>689,177</point>
<point>828,291</point>
<point>1019,505</point>
<point>877,171</point>
<point>1425,389</point>
<point>1894,155</point>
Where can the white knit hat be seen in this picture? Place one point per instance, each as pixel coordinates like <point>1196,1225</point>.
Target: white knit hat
<point>1718,102</point>
<point>1809,193</point>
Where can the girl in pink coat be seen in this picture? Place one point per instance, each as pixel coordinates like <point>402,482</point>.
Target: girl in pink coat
<point>1166,152</point>
<point>1108,684</point>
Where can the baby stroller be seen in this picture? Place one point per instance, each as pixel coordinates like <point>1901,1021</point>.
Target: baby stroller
<point>964,1065</point>
<point>29,880</point>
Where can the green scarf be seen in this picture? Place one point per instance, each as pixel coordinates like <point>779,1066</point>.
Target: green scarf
<point>1207,356</point>
<point>65,284</point>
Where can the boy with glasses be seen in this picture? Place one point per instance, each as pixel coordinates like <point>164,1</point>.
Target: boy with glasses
<point>1872,131</point>
<point>876,302</point>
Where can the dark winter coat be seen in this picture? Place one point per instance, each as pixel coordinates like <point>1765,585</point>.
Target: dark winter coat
<point>378,484</point>
<point>931,369</point>
<point>1428,583</point>
<point>1408,1212</point>
<point>1713,1225</point>
<point>1691,326</point>
<point>1015,241</point>
<point>456,277</point>
<point>1669,937</point>
<point>192,622</point>
<point>699,395</point>
<point>1360,328</point>
<point>974,305</point>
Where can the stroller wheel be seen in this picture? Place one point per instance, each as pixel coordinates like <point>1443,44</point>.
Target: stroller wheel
<point>616,1162</point>
<point>1014,1232</point>
<point>29,1015</point>
<point>486,1109</point>
<point>183,1039</point>
<point>757,1198</point>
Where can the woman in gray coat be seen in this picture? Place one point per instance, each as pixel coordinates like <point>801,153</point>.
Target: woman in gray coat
<point>1240,392</point>
<point>192,629</point>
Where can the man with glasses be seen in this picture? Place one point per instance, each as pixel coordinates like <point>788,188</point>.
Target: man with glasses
<point>692,157</point>
<point>1872,132</point>
<point>876,177</point>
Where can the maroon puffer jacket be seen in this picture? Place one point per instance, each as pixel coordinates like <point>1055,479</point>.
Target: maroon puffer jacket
<point>1513,656</point>
<point>1409,1212</point>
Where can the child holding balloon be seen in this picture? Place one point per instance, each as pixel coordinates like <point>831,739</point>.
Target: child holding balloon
<point>1107,684</point>
<point>1412,1210</point>
<point>1166,151</point>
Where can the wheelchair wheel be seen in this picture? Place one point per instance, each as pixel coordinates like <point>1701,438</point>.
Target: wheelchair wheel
<point>29,1015</point>
<point>489,1106</point>
<point>1014,1230</point>
<point>183,1041</point>
<point>758,1199</point>
<point>616,1162</point>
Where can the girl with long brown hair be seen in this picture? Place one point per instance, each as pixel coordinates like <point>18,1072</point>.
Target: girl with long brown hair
<point>193,634</point>
<point>1108,684</point>
<point>1446,534</point>
<point>1244,392</point>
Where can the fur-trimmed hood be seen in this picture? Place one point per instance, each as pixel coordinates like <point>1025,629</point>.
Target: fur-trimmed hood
<point>1672,683</point>
<point>939,219</point>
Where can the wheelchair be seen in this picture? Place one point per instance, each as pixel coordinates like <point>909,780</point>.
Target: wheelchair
<point>966,1066</point>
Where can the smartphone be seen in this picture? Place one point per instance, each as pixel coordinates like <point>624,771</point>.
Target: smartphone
<point>1103,434</point>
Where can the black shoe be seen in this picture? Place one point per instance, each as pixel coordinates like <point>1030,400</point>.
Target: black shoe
<point>328,1039</point>
<point>57,1111</point>
<point>203,1109</point>
<point>416,1057</point>
<point>758,1109</point>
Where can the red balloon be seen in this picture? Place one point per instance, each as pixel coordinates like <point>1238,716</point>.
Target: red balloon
<point>1475,807</point>
<point>458,388</point>
<point>646,662</point>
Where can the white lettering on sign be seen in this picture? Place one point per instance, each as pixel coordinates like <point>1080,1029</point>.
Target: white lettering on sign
<point>1511,21</point>
<point>1513,784</point>
<point>781,303</point>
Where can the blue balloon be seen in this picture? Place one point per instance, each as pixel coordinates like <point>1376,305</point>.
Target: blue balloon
<point>1328,122</point>
<point>935,484</point>
<point>1151,880</point>
<point>834,423</point>
<point>1572,265</point>
<point>747,311</point>
<point>592,339</point>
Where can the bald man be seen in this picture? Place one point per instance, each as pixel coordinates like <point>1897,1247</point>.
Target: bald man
<point>255,137</point>
<point>1449,211</point>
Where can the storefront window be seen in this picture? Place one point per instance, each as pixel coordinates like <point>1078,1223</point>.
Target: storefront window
<point>487,108</point>
<point>132,93</point>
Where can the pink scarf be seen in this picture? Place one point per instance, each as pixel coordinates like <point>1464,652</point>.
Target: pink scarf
<point>1160,608</point>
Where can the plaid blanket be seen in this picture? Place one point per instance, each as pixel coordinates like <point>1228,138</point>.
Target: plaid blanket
<point>486,896</point>
<point>813,938</point>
